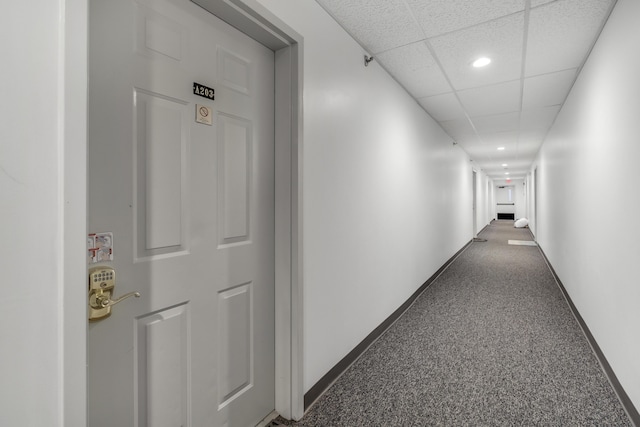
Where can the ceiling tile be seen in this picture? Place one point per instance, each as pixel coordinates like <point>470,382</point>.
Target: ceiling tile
<point>506,155</point>
<point>497,123</point>
<point>500,40</point>
<point>529,144</point>
<point>562,33</point>
<point>513,164</point>
<point>377,24</point>
<point>516,168</point>
<point>547,89</point>
<point>442,16</point>
<point>494,167</point>
<point>532,136</point>
<point>469,142</point>
<point>539,118</point>
<point>478,155</point>
<point>488,100</point>
<point>509,140</point>
<point>495,174</point>
<point>528,154</point>
<point>459,129</point>
<point>536,3</point>
<point>531,140</point>
<point>443,107</point>
<point>479,152</point>
<point>414,67</point>
<point>491,142</point>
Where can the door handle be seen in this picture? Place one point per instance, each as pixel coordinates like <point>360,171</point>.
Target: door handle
<point>102,281</point>
<point>103,301</point>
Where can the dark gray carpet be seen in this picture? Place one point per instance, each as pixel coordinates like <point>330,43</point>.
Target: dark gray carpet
<point>491,342</point>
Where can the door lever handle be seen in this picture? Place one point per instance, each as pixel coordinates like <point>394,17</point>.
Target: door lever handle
<point>104,301</point>
<point>102,281</point>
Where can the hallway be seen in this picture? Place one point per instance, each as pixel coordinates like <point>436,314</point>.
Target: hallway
<point>491,342</point>
<point>376,196</point>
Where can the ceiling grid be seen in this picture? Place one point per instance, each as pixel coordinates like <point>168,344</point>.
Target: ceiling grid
<point>537,48</point>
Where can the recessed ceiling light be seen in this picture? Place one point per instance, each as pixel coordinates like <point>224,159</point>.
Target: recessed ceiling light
<point>504,165</point>
<point>500,148</point>
<point>481,62</point>
<point>506,173</point>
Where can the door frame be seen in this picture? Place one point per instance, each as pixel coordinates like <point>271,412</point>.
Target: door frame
<point>259,23</point>
<point>474,201</point>
<point>536,181</point>
<point>255,20</point>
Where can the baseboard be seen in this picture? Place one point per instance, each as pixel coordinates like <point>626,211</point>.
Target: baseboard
<point>483,228</point>
<point>330,377</point>
<point>628,405</point>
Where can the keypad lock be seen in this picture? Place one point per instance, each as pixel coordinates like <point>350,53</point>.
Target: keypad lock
<point>102,281</point>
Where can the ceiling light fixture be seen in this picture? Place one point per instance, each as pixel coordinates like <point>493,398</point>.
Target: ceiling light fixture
<point>506,173</point>
<point>504,165</point>
<point>481,62</point>
<point>500,148</point>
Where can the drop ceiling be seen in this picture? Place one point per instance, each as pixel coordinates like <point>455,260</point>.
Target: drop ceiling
<point>537,48</point>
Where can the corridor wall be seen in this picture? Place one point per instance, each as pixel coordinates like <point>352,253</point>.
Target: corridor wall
<point>484,201</point>
<point>589,198</point>
<point>42,209</point>
<point>387,197</point>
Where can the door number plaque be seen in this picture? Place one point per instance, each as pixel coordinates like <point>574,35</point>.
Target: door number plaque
<point>203,91</point>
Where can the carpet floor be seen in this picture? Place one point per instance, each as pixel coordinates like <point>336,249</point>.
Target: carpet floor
<point>492,342</point>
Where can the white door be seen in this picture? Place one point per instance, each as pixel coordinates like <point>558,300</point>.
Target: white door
<point>191,209</point>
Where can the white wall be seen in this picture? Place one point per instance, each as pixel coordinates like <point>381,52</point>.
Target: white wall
<point>42,207</point>
<point>30,232</point>
<point>531,199</point>
<point>589,198</point>
<point>491,200</point>
<point>484,200</point>
<point>387,197</point>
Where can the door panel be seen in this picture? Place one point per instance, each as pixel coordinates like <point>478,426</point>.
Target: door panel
<point>234,342</point>
<point>162,345</point>
<point>161,147</point>
<point>234,179</point>
<point>191,208</point>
